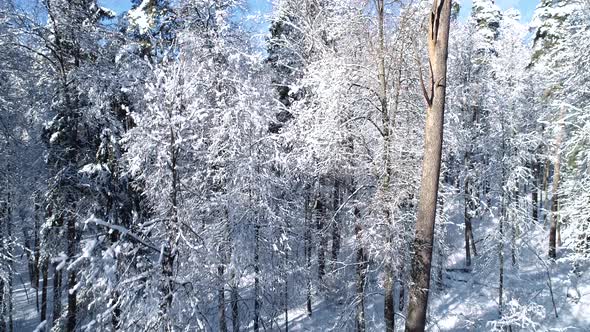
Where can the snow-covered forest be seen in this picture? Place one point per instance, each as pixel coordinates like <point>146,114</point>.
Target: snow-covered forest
<point>330,165</point>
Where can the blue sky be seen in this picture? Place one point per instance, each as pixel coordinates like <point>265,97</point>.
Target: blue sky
<point>526,7</point>
<point>120,6</point>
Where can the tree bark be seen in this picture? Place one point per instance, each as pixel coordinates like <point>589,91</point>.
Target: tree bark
<point>320,215</point>
<point>438,38</point>
<point>336,224</point>
<point>256,278</point>
<point>56,294</point>
<point>555,191</point>
<point>535,192</point>
<point>71,291</point>
<point>389,306</point>
<point>45,273</point>
<point>221,299</point>
<point>235,309</point>
<point>308,226</point>
<point>361,270</point>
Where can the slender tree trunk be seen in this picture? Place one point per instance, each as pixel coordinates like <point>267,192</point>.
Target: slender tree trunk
<point>56,294</point>
<point>8,221</point>
<point>545,190</point>
<point>468,215</point>
<point>501,263</point>
<point>389,307</point>
<point>2,304</point>
<point>286,290</point>
<point>535,192</point>
<point>235,309</point>
<point>221,299</point>
<point>361,270</point>
<point>438,38</point>
<point>514,226</point>
<point>169,250</point>
<point>45,273</point>
<point>256,277</point>
<point>336,224</point>
<point>320,215</point>
<point>71,291</point>
<point>555,190</point>
<point>308,245</point>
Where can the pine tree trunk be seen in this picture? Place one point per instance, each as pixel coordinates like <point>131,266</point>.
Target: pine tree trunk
<point>545,190</point>
<point>221,299</point>
<point>286,290</point>
<point>361,270</point>
<point>423,243</point>
<point>555,191</point>
<point>336,224</point>
<point>71,290</point>
<point>535,192</point>
<point>308,246</point>
<point>45,274</point>
<point>468,214</point>
<point>389,307</point>
<point>2,304</point>
<point>256,278</point>
<point>7,220</point>
<point>501,263</point>
<point>320,215</point>
<point>235,314</point>
<point>56,294</point>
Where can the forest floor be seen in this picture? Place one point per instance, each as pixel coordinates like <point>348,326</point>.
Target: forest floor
<point>539,295</point>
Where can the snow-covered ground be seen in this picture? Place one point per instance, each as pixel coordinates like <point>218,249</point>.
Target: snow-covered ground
<point>467,301</point>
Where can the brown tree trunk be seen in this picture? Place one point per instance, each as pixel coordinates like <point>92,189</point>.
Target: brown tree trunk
<point>438,38</point>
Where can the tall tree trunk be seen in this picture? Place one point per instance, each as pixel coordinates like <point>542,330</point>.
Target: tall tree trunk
<point>545,190</point>
<point>555,190</point>
<point>169,250</point>
<point>336,224</point>
<point>308,245</point>
<point>501,262</point>
<point>286,290</point>
<point>388,285</point>
<point>320,215</point>
<point>45,273</point>
<point>235,309</point>
<point>10,251</point>
<point>361,270</point>
<point>221,299</point>
<point>56,294</point>
<point>438,38</point>
<point>469,208</point>
<point>71,290</point>
<point>535,191</point>
<point>256,277</point>
<point>2,306</point>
